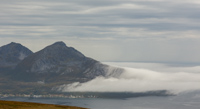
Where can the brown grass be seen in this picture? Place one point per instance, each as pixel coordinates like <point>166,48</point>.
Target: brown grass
<point>26,105</point>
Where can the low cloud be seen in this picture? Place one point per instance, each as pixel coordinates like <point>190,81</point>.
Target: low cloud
<point>140,80</point>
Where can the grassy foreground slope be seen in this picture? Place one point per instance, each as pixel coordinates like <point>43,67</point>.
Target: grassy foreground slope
<point>26,105</point>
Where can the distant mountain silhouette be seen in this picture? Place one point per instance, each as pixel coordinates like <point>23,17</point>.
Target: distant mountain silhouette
<point>59,62</point>
<point>55,65</point>
<point>12,54</point>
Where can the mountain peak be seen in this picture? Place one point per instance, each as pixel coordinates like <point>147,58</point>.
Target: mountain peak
<point>59,43</point>
<point>13,53</point>
<point>13,44</point>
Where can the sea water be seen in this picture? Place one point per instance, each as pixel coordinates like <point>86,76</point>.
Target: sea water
<point>182,101</point>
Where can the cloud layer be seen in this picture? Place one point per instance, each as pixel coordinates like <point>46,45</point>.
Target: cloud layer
<point>142,80</point>
<point>154,30</point>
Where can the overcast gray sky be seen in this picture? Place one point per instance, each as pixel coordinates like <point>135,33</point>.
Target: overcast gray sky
<point>107,30</point>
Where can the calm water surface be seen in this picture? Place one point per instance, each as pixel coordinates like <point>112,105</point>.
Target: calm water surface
<point>182,101</point>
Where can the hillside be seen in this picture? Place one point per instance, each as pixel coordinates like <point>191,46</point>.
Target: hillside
<point>25,105</point>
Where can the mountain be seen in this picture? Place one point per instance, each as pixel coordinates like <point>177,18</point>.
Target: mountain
<point>43,71</point>
<point>58,62</point>
<point>12,54</point>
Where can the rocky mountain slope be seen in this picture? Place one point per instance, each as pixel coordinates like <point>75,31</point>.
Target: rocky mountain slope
<point>11,55</point>
<point>58,62</point>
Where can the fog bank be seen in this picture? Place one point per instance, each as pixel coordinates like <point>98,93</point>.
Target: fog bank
<point>151,77</point>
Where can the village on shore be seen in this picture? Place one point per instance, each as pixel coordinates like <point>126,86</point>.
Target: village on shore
<point>47,96</point>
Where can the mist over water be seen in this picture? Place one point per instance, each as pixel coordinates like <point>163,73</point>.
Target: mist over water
<point>142,77</point>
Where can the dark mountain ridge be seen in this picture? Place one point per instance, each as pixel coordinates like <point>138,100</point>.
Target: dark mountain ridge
<point>12,54</point>
<point>58,62</point>
<point>55,65</point>
<point>50,57</point>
